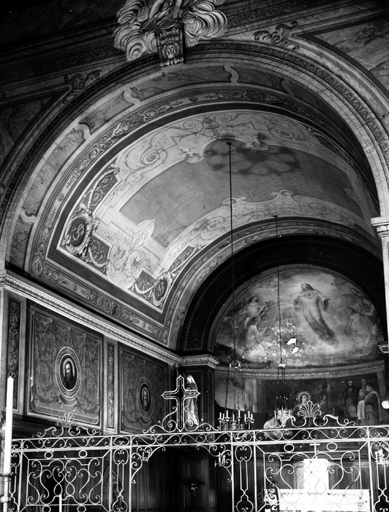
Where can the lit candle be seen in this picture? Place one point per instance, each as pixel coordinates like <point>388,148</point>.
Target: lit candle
<point>8,427</point>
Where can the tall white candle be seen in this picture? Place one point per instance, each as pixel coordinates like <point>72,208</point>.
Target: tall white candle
<point>60,502</point>
<point>8,426</point>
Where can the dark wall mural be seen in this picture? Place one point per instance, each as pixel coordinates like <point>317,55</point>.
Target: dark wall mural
<point>337,395</point>
<point>65,368</point>
<point>142,383</point>
<point>334,322</point>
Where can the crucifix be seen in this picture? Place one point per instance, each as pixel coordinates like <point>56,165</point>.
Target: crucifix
<point>185,406</point>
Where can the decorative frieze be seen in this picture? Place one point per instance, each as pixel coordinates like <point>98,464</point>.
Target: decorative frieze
<point>31,292</point>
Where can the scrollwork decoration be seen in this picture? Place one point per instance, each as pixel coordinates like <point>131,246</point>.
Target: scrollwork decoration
<point>141,23</point>
<point>279,36</point>
<point>79,81</point>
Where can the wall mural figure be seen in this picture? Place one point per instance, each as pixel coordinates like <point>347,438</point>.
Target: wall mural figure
<point>350,401</point>
<point>372,405</point>
<point>299,409</point>
<point>361,402</point>
<point>333,321</point>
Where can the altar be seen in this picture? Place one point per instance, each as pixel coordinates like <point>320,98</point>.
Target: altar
<point>350,500</point>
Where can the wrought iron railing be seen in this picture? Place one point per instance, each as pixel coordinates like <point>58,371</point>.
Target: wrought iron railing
<point>327,468</point>
<point>319,465</point>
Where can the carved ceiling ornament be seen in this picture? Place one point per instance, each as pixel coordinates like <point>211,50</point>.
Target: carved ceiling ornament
<point>167,26</point>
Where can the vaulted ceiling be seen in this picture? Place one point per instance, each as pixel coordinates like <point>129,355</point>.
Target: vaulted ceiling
<point>124,204</point>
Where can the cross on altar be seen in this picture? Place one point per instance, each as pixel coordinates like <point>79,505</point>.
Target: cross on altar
<point>183,396</point>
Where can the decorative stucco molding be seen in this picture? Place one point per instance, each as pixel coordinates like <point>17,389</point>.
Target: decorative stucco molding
<point>200,360</point>
<point>145,27</point>
<point>79,81</point>
<point>278,36</point>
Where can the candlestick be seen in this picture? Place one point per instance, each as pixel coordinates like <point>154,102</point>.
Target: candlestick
<point>8,427</point>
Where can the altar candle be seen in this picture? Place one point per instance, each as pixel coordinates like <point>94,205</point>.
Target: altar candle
<point>8,426</point>
<point>60,502</point>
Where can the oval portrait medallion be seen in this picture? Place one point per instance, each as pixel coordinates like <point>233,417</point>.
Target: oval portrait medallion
<point>68,371</point>
<point>145,402</point>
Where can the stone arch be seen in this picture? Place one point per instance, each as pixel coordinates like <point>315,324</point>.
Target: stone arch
<point>306,71</point>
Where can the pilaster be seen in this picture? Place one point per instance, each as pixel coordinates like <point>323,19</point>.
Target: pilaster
<point>381,225</point>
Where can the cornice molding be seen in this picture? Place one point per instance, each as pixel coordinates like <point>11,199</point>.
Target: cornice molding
<point>58,64</point>
<point>29,291</point>
<point>200,360</point>
<point>307,373</point>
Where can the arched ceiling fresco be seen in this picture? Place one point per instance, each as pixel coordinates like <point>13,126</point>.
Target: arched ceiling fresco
<point>166,197</point>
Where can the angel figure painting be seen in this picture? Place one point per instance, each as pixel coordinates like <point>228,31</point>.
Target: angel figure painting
<point>312,317</point>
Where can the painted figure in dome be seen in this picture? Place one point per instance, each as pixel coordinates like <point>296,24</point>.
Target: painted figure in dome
<point>312,303</point>
<point>250,318</point>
